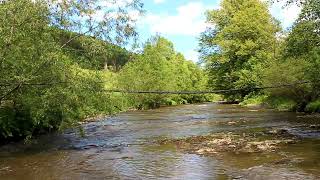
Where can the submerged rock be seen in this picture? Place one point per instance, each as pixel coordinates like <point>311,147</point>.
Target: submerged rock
<point>315,126</point>
<point>277,131</point>
<point>219,143</point>
<point>232,123</point>
<point>271,173</point>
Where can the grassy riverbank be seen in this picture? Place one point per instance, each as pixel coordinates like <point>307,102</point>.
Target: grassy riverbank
<point>282,104</point>
<point>52,78</point>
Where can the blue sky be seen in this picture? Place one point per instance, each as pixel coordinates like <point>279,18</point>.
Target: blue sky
<point>182,21</point>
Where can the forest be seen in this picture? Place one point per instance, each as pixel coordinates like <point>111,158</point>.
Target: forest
<point>57,62</point>
<point>247,48</point>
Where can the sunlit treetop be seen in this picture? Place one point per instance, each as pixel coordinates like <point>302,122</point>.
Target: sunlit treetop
<point>110,20</point>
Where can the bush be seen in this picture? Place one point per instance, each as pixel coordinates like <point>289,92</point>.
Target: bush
<point>281,103</point>
<point>251,100</point>
<point>313,106</point>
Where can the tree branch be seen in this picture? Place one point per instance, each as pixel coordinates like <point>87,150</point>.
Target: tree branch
<point>9,92</point>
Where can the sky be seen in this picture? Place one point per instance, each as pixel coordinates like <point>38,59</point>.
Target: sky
<point>182,21</point>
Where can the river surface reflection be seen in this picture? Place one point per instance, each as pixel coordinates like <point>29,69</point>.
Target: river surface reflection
<point>123,147</point>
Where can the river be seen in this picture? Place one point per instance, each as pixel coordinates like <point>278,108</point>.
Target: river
<point>123,147</point>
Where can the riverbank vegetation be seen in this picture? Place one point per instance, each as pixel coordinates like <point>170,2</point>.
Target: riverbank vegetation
<point>160,68</point>
<point>246,48</point>
<point>57,61</point>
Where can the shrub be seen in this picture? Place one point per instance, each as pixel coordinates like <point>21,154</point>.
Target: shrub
<point>313,106</point>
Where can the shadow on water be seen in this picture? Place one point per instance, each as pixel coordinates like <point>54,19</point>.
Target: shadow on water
<point>123,147</point>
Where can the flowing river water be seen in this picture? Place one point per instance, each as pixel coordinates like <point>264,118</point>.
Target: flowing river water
<point>124,147</point>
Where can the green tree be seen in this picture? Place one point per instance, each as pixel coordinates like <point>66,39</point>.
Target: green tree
<point>107,19</point>
<point>42,87</point>
<point>96,54</point>
<point>243,36</point>
<point>160,68</point>
<point>151,71</point>
<point>304,36</point>
<point>299,61</point>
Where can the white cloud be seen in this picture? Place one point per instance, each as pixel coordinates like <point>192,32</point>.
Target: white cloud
<point>158,1</point>
<point>114,4</point>
<point>287,15</point>
<point>109,10</point>
<point>192,55</point>
<point>189,20</point>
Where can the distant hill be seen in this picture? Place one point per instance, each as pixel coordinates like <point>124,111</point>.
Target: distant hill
<point>93,53</point>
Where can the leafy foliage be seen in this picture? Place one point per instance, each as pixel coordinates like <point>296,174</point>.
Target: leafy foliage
<point>245,49</point>
<point>58,57</point>
<point>160,68</point>
<point>240,40</point>
<point>56,62</point>
<point>300,59</point>
<point>93,53</point>
<point>44,87</point>
<point>313,106</point>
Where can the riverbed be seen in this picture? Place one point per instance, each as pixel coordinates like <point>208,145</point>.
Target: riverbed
<point>125,147</point>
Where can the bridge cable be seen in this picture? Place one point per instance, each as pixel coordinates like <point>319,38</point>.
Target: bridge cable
<point>167,92</point>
